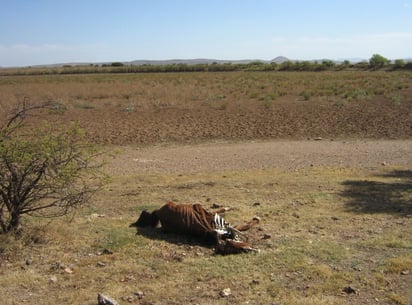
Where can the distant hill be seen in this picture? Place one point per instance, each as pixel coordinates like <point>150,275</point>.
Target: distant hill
<point>196,61</point>
<point>280,59</point>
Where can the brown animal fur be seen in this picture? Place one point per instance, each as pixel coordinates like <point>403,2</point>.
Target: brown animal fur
<point>193,219</point>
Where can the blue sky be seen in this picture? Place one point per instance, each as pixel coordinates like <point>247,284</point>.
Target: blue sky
<point>52,31</point>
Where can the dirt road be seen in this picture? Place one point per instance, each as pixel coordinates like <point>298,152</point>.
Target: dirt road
<point>287,155</point>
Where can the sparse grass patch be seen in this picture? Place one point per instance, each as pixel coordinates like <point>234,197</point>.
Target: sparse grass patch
<point>395,97</point>
<point>83,105</point>
<point>399,264</point>
<point>398,299</point>
<point>116,238</point>
<point>179,89</point>
<point>129,108</point>
<point>216,101</point>
<point>290,255</point>
<point>314,300</point>
<point>144,206</point>
<point>329,252</point>
<point>58,108</point>
<point>306,95</point>
<point>391,239</point>
<point>295,266</point>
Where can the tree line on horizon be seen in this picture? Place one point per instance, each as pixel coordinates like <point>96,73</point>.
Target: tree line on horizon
<point>376,62</point>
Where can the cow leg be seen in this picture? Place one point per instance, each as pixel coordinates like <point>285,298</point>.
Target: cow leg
<point>230,246</point>
<point>248,225</point>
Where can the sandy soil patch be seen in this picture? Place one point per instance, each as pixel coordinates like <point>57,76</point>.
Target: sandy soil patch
<point>286,155</point>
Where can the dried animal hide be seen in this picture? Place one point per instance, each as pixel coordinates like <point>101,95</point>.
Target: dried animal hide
<point>193,219</point>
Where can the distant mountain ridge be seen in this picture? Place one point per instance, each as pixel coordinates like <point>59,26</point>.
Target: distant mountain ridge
<point>197,61</point>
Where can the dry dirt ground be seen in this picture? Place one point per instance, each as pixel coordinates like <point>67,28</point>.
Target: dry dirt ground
<point>138,109</point>
<point>330,179</point>
<point>286,118</point>
<point>336,228</point>
<point>352,196</point>
<point>246,156</point>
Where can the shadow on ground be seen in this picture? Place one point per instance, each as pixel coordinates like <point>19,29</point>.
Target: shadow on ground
<point>393,197</point>
<point>177,239</point>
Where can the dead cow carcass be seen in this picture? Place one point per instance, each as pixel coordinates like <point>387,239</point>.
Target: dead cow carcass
<point>193,219</point>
